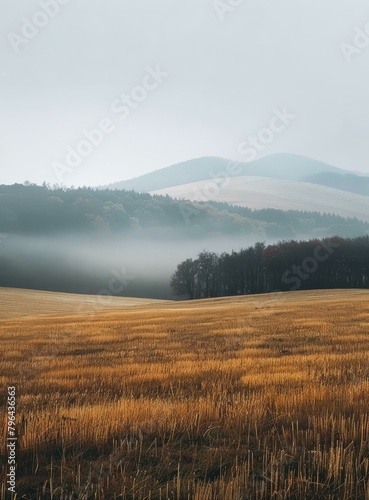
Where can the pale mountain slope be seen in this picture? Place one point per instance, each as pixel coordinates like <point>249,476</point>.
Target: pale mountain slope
<point>261,192</point>
<point>278,166</point>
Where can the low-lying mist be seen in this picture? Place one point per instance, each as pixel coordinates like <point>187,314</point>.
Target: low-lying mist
<point>124,265</point>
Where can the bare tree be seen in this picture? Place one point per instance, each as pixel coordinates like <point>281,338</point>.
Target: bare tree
<point>183,281</point>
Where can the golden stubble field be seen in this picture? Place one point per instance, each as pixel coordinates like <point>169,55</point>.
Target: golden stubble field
<point>259,397</point>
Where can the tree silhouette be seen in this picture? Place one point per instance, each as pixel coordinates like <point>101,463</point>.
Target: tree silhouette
<point>288,265</point>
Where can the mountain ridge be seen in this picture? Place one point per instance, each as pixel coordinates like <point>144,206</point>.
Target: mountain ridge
<point>278,166</point>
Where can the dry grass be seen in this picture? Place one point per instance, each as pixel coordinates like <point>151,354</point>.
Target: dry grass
<point>21,303</point>
<point>242,398</point>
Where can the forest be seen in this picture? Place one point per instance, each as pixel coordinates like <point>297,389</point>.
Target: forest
<point>76,240</point>
<point>28,209</point>
<point>288,265</point>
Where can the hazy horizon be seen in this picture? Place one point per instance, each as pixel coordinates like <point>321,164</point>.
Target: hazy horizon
<point>357,172</point>
<point>167,82</point>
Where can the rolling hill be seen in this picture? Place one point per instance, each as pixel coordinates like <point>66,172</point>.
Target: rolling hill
<point>224,395</point>
<point>278,166</point>
<point>280,181</point>
<point>17,303</point>
<point>263,192</point>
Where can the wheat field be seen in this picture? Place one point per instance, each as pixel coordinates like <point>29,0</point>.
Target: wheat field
<point>257,397</point>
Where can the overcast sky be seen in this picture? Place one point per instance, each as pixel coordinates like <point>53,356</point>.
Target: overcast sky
<point>198,77</point>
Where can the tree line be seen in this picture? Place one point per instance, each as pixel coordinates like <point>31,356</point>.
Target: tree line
<point>33,210</point>
<point>288,265</point>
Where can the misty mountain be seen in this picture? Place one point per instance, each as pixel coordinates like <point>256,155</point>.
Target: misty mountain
<point>278,166</point>
<point>280,181</point>
<point>346,181</point>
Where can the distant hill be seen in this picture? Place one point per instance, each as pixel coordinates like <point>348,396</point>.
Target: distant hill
<point>263,192</point>
<point>346,181</point>
<point>36,210</point>
<point>279,166</point>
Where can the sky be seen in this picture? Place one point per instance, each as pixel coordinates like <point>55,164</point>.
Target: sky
<point>94,91</point>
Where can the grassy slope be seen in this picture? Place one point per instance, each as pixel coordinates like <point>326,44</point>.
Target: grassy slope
<point>16,303</point>
<point>244,397</point>
<point>260,192</point>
